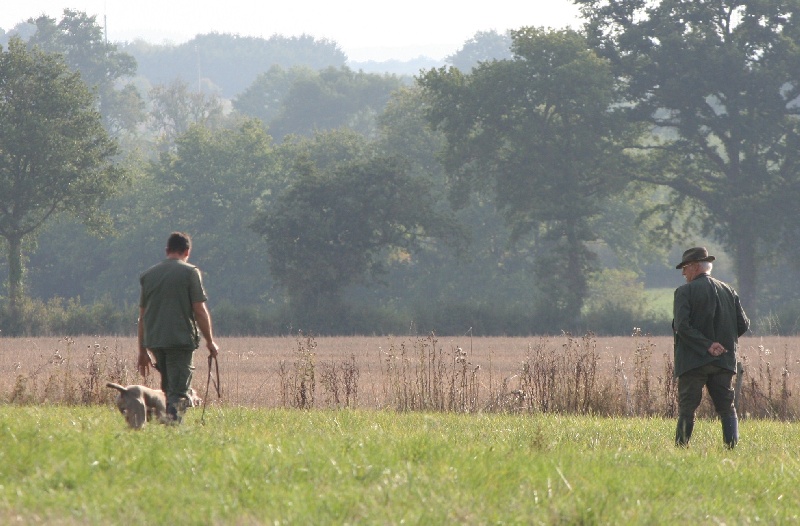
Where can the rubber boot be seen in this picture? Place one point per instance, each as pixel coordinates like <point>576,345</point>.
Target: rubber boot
<point>683,432</point>
<point>730,431</point>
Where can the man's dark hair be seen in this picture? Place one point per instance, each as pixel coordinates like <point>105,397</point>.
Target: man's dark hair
<point>178,242</point>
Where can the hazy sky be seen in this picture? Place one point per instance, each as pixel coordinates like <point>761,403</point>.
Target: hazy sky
<point>364,29</point>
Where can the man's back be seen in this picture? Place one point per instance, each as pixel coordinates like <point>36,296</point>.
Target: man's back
<point>706,310</point>
<point>168,291</point>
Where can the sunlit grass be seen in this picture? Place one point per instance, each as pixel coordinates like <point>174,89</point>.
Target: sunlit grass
<point>78,465</point>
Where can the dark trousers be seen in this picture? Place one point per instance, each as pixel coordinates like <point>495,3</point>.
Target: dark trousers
<point>718,382</point>
<point>176,368</point>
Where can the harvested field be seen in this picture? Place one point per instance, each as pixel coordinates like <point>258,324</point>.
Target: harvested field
<point>614,376</point>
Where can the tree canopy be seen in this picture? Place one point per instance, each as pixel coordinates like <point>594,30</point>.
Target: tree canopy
<point>80,41</point>
<point>299,101</point>
<point>536,131</point>
<point>341,222</point>
<point>228,62</point>
<point>484,46</point>
<point>318,191</point>
<point>55,155</point>
<point>721,78</point>
<point>175,109</point>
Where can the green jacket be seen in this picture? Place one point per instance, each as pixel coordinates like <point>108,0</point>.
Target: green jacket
<point>168,291</point>
<point>705,311</point>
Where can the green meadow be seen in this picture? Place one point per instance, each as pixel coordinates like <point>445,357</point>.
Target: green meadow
<point>81,465</point>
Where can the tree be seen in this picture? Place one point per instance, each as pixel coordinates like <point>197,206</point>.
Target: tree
<point>538,132</point>
<point>403,131</point>
<point>175,109</point>
<point>23,30</point>
<point>231,62</point>
<point>302,102</point>
<point>497,269</point>
<point>80,40</point>
<point>264,98</point>
<point>55,155</point>
<point>210,185</point>
<point>339,226</point>
<point>482,47</point>
<point>721,79</point>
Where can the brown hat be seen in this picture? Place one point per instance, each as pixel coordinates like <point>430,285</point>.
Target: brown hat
<point>695,254</point>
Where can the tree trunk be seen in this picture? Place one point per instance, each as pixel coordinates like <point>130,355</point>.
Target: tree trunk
<point>746,267</point>
<point>576,274</point>
<point>14,282</point>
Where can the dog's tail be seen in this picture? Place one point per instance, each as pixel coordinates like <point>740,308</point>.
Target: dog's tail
<point>118,387</point>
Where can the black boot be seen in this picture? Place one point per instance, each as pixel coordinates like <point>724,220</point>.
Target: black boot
<point>683,432</point>
<point>730,430</point>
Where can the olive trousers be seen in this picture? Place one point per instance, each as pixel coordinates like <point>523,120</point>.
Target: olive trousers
<point>719,383</point>
<point>176,367</point>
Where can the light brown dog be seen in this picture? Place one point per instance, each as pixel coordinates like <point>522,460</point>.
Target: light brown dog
<point>140,404</point>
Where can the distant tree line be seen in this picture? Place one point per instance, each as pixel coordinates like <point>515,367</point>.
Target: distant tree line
<point>541,182</point>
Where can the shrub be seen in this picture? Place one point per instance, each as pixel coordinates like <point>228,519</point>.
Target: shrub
<point>617,303</point>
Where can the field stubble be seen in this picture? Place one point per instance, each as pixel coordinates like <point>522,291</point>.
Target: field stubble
<point>616,376</point>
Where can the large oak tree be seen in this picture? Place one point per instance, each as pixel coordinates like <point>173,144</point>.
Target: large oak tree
<point>720,79</point>
<point>536,132</point>
<point>55,155</point>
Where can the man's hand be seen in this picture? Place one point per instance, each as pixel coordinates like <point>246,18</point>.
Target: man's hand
<point>144,362</point>
<point>213,349</point>
<point>716,349</point>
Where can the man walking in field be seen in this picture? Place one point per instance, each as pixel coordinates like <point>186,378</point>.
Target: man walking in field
<point>172,313</point>
<point>707,321</point>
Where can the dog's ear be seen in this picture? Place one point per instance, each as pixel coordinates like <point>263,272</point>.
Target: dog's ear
<point>136,413</point>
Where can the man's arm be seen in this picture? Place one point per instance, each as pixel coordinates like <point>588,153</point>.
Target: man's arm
<point>742,322</point>
<point>203,319</point>
<point>692,338</point>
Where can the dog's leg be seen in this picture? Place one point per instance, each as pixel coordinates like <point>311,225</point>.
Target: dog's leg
<point>136,413</point>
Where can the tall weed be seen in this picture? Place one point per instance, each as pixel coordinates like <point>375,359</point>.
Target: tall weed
<point>564,375</point>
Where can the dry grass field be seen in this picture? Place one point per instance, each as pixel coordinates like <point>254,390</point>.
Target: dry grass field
<point>612,376</point>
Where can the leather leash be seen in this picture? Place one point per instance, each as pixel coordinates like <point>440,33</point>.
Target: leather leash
<point>217,385</point>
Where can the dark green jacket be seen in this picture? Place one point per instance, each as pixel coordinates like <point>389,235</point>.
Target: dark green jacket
<point>705,311</point>
<point>168,291</point>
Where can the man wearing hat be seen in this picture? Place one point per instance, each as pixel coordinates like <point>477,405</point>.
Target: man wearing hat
<point>707,321</point>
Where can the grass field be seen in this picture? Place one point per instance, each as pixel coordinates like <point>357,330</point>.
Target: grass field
<point>381,430</point>
<point>80,465</point>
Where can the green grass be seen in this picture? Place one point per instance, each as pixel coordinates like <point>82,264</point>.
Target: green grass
<point>79,465</point>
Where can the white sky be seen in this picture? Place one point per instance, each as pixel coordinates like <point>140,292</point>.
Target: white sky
<point>364,29</point>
